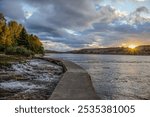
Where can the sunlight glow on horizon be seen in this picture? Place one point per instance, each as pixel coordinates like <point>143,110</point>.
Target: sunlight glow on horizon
<point>132,46</point>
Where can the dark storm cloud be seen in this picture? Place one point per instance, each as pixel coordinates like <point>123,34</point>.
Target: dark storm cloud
<point>12,9</point>
<point>142,9</point>
<point>64,13</point>
<point>36,29</point>
<point>60,14</point>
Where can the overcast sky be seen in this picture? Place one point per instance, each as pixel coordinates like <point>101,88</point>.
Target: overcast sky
<point>73,24</point>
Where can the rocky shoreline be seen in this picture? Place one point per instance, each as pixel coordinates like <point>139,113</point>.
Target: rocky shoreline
<point>34,79</point>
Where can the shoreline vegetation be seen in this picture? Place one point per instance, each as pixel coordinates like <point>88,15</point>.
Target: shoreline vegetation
<point>139,50</point>
<point>16,44</point>
<point>15,40</point>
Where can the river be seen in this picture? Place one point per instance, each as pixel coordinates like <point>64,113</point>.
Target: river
<point>115,76</point>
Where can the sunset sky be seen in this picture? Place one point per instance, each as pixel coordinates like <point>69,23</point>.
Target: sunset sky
<point>73,24</point>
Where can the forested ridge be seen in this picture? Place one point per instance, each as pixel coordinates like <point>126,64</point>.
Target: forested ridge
<point>15,40</point>
<point>139,50</point>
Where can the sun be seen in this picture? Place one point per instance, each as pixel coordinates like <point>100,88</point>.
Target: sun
<point>132,46</point>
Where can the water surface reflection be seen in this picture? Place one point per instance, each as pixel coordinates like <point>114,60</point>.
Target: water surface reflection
<point>115,76</point>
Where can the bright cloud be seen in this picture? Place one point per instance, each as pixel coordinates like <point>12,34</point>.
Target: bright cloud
<point>56,46</point>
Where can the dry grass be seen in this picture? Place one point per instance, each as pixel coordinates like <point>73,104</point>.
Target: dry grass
<point>7,60</point>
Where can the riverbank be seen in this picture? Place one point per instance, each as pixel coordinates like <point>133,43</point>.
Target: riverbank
<point>26,78</point>
<point>32,79</point>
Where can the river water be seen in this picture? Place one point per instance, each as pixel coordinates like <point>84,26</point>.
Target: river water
<point>115,76</point>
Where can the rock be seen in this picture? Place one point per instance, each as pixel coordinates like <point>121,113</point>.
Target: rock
<point>35,79</point>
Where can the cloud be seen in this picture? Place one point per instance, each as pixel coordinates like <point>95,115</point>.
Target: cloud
<point>70,24</point>
<point>72,14</point>
<point>140,0</point>
<point>124,0</point>
<point>137,17</point>
<point>121,28</point>
<point>13,10</point>
<point>56,46</point>
<point>28,14</point>
<point>142,9</point>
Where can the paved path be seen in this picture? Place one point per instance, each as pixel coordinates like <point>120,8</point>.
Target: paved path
<point>75,84</point>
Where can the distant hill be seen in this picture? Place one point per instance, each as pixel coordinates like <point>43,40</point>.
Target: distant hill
<point>140,50</point>
<point>52,51</point>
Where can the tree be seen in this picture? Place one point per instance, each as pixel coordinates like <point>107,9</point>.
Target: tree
<point>2,18</point>
<point>14,39</point>
<point>2,29</point>
<point>15,30</point>
<point>34,44</point>
<point>7,37</point>
<point>23,38</point>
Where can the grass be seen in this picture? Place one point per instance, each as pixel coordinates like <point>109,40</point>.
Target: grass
<point>7,60</point>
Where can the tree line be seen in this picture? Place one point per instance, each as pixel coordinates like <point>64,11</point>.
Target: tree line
<point>14,39</point>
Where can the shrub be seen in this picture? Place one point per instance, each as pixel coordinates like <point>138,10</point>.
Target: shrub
<point>2,48</point>
<point>18,51</point>
<point>10,50</point>
<point>23,51</point>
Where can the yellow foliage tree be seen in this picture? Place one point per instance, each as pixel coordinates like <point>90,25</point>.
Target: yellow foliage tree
<point>15,30</point>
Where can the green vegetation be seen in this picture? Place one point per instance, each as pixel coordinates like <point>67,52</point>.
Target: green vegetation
<point>14,39</point>
<point>18,51</point>
<point>7,60</point>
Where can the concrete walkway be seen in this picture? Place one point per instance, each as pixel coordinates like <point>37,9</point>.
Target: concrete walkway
<point>74,85</point>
